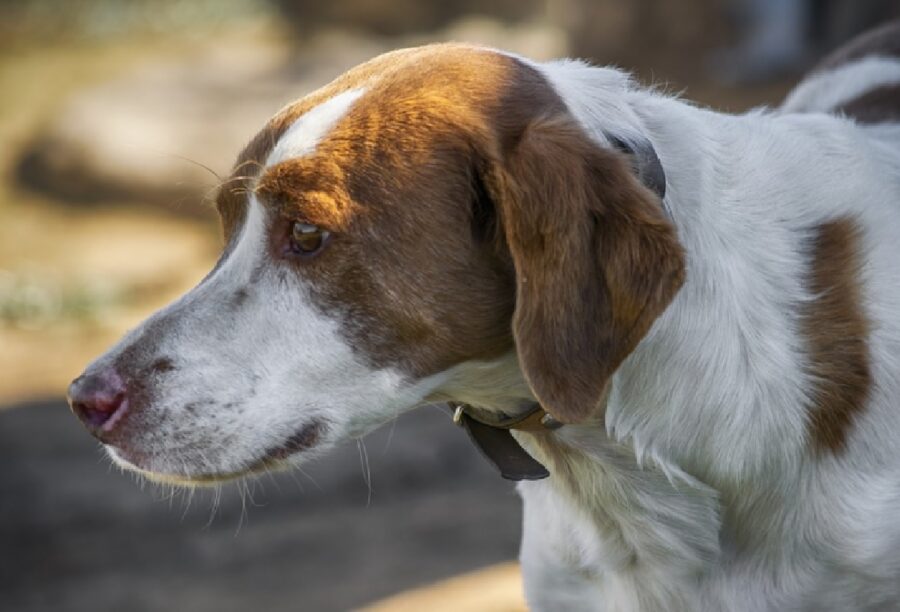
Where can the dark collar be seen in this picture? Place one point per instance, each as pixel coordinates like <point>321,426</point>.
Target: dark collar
<point>646,164</point>
<point>491,433</point>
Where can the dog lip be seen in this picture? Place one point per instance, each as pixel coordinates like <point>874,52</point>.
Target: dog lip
<point>306,437</point>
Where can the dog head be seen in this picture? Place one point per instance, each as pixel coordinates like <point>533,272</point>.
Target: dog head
<point>431,209</point>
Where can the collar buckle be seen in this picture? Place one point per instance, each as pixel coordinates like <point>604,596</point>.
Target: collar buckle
<point>458,413</point>
<point>491,434</point>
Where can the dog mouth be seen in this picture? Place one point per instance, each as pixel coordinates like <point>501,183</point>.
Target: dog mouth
<point>307,437</point>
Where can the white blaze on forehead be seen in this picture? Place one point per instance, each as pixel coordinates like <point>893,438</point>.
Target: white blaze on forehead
<point>248,250</point>
<point>309,129</point>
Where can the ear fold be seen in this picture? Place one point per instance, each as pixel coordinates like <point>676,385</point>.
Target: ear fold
<point>596,262</point>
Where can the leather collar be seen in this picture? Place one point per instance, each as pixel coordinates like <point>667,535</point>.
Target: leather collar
<point>490,432</point>
<point>647,167</point>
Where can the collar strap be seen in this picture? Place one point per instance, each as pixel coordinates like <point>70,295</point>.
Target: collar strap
<point>533,418</point>
<point>646,164</point>
<point>490,433</point>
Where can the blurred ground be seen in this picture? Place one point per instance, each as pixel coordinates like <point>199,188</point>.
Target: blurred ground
<point>78,535</point>
<point>102,221</point>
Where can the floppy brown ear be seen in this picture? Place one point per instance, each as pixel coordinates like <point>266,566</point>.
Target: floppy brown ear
<point>596,262</point>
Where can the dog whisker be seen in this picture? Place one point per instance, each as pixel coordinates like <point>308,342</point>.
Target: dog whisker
<point>390,436</point>
<point>189,496</point>
<point>251,485</point>
<point>274,481</point>
<point>246,163</point>
<point>194,162</point>
<point>214,507</point>
<point>308,477</point>
<point>364,464</point>
<point>242,489</point>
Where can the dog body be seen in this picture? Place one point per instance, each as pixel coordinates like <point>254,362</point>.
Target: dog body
<point>718,486</point>
<point>457,223</point>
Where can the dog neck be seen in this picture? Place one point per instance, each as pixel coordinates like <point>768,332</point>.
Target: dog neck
<point>496,385</point>
<point>628,507</point>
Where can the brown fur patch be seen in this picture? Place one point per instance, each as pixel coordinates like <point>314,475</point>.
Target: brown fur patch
<point>425,272</point>
<point>880,105</point>
<point>836,330</point>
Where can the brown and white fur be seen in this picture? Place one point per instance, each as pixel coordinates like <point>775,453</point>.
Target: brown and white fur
<point>727,361</point>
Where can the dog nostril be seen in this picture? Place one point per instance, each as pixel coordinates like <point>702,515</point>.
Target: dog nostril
<point>98,400</point>
<point>97,413</point>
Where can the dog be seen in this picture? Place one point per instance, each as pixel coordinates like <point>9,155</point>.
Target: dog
<point>698,315</point>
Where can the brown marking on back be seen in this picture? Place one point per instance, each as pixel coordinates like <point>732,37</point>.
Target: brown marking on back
<point>883,41</point>
<point>836,330</point>
<point>880,105</point>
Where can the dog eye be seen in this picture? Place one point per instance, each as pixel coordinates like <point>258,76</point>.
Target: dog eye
<point>307,239</point>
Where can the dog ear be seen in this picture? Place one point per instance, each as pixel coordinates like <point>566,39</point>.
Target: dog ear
<point>596,261</point>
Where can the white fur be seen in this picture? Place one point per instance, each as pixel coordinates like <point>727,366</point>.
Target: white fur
<point>730,511</point>
<point>699,491</point>
<point>307,130</point>
<point>827,90</point>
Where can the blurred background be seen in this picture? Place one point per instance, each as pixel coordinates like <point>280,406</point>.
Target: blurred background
<point>116,116</point>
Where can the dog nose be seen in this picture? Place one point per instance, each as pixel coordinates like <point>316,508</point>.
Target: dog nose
<point>99,400</point>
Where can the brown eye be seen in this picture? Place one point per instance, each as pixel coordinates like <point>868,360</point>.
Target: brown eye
<point>307,239</point>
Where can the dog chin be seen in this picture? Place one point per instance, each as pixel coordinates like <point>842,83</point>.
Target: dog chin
<point>297,448</point>
<point>200,479</point>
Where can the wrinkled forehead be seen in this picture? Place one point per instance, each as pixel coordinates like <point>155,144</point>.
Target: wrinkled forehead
<point>384,114</point>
